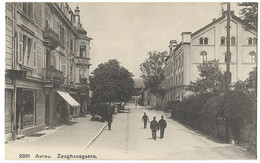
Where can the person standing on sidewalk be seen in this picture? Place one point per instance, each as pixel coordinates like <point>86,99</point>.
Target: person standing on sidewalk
<point>162,126</point>
<point>154,127</point>
<point>109,120</point>
<point>145,119</point>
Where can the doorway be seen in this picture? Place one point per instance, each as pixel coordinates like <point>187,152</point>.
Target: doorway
<point>47,110</point>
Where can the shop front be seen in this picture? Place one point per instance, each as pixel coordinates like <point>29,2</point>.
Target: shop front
<point>73,109</point>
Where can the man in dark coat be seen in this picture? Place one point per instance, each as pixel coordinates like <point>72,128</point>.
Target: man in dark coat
<point>109,120</point>
<point>145,119</point>
<point>154,127</point>
<point>162,126</point>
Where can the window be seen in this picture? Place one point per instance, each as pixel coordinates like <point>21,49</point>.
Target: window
<point>255,41</point>
<point>250,41</point>
<point>71,45</point>
<point>63,66</point>
<point>20,48</point>
<point>62,35</point>
<point>71,72</point>
<point>25,50</point>
<point>83,51</point>
<point>206,41</point>
<point>27,8</point>
<point>233,40</point>
<point>28,105</point>
<point>37,13</point>
<point>201,41</point>
<point>34,54</point>
<point>223,41</point>
<point>253,57</point>
<point>44,58</point>
<point>179,61</point>
<point>48,18</point>
<point>203,56</point>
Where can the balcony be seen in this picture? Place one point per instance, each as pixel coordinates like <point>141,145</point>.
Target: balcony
<point>82,61</point>
<point>54,75</point>
<point>51,39</point>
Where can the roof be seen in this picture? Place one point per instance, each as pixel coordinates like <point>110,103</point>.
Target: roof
<point>222,18</point>
<point>138,83</point>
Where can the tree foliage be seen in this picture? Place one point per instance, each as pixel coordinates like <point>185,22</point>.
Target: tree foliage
<point>111,83</point>
<point>249,13</point>
<point>211,79</point>
<point>152,71</point>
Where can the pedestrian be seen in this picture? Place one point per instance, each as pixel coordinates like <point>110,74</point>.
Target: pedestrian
<point>154,127</point>
<point>145,119</point>
<point>109,120</point>
<point>135,104</point>
<point>162,126</point>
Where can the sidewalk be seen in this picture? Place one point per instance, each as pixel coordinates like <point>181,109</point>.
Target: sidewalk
<point>73,137</point>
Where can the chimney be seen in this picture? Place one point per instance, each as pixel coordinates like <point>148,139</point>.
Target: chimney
<point>214,19</point>
<point>186,37</point>
<point>173,43</point>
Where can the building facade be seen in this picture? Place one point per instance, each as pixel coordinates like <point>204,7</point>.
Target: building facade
<point>209,43</point>
<point>47,65</point>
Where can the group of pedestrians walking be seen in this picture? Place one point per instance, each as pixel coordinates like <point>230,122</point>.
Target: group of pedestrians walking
<point>155,126</point>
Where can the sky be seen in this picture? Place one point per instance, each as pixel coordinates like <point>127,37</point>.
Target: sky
<point>127,31</point>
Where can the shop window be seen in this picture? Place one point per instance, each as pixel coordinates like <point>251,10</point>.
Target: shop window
<point>28,107</point>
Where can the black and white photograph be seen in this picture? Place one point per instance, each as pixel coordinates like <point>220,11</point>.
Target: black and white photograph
<point>130,80</point>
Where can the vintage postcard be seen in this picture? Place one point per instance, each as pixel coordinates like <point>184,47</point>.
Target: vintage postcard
<point>130,80</point>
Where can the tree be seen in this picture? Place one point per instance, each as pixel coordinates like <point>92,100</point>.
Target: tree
<point>249,13</point>
<point>152,71</point>
<point>212,79</point>
<point>111,83</point>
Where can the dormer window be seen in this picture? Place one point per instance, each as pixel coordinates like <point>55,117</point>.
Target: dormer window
<point>206,41</point>
<point>201,41</point>
<point>250,41</point>
<point>223,40</point>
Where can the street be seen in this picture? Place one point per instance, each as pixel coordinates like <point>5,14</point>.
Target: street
<point>127,140</point>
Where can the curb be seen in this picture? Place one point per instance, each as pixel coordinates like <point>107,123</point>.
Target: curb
<point>92,140</point>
